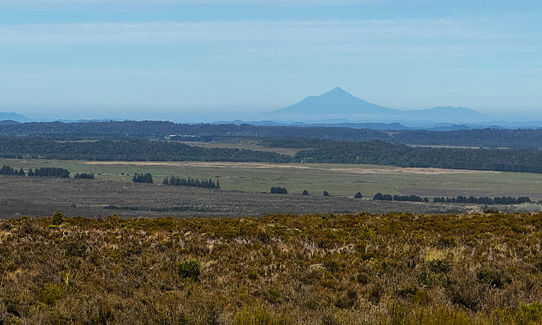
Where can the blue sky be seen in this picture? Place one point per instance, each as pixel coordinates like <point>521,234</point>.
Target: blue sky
<point>188,59</point>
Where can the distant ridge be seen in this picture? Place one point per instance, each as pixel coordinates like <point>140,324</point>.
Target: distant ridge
<point>339,103</point>
<point>10,116</point>
<point>9,122</point>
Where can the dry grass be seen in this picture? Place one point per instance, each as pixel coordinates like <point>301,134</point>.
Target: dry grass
<point>318,269</point>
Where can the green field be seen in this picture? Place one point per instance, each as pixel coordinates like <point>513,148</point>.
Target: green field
<point>337,179</point>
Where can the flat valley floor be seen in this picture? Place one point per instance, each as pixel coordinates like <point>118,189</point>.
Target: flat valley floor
<point>37,196</point>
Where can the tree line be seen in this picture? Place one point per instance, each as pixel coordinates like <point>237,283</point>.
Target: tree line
<point>504,200</point>
<point>381,153</point>
<point>320,151</point>
<point>192,182</point>
<point>8,170</point>
<point>486,138</point>
<point>128,149</point>
<point>40,172</point>
<point>484,200</point>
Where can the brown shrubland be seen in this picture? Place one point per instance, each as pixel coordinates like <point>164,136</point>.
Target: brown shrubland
<point>314,269</point>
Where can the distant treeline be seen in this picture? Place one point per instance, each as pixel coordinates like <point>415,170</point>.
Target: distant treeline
<point>41,172</point>
<point>131,150</point>
<point>8,170</point>
<point>381,153</point>
<point>505,200</point>
<point>487,138</point>
<point>320,151</point>
<point>484,200</point>
<point>193,182</point>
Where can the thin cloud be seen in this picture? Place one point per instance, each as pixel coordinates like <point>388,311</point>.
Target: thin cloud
<point>305,31</point>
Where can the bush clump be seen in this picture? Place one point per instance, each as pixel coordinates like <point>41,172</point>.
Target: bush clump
<point>278,190</point>
<point>58,218</point>
<point>50,294</point>
<point>189,269</point>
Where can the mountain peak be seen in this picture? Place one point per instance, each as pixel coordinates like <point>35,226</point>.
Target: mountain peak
<point>337,91</point>
<point>336,101</point>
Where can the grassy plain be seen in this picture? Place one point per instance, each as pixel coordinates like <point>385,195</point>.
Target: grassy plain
<point>315,269</point>
<point>239,143</point>
<point>38,196</point>
<point>337,179</point>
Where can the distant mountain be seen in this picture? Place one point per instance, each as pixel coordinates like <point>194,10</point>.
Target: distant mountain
<point>337,103</point>
<point>446,112</point>
<point>13,117</point>
<point>9,122</point>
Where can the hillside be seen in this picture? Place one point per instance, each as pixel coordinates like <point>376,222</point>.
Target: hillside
<point>318,269</point>
<point>13,117</point>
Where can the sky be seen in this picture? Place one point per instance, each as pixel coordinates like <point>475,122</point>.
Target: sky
<point>227,59</point>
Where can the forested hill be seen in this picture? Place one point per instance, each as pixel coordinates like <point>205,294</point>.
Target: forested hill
<point>486,138</point>
<point>379,153</point>
<point>131,150</point>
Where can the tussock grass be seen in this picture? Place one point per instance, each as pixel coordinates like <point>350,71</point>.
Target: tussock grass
<point>314,269</point>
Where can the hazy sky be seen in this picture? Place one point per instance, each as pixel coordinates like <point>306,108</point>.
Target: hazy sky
<point>175,58</point>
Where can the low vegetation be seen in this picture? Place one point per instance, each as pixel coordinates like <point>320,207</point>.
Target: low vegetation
<point>315,269</point>
<point>83,175</point>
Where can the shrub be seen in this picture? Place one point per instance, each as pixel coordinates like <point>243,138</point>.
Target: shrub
<point>530,313</point>
<point>84,176</point>
<point>439,266</point>
<point>50,294</point>
<point>495,278</point>
<point>58,218</point>
<point>348,300</point>
<point>278,190</point>
<point>256,316</point>
<point>358,195</point>
<point>76,248</point>
<point>305,192</point>
<point>142,178</point>
<point>325,193</point>
<point>189,269</point>
<point>253,274</point>
<point>447,241</point>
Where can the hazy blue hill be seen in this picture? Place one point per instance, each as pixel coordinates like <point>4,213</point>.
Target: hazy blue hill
<point>335,101</point>
<point>8,122</point>
<point>443,114</point>
<point>447,110</point>
<point>6,116</point>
